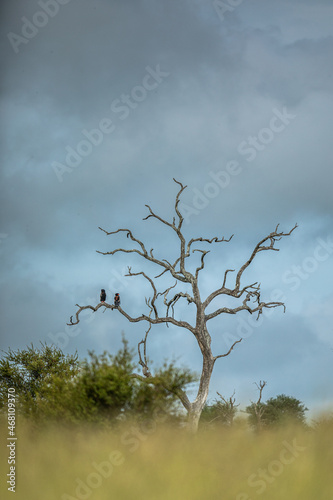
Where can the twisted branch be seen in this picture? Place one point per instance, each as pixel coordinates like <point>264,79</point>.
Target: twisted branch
<point>175,299</point>
<point>82,308</point>
<point>143,317</point>
<point>150,302</point>
<point>227,354</point>
<point>236,291</point>
<point>272,237</point>
<point>213,240</point>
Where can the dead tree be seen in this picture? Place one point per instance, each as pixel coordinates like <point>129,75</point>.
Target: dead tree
<point>259,407</point>
<point>228,408</point>
<point>225,410</point>
<point>248,295</point>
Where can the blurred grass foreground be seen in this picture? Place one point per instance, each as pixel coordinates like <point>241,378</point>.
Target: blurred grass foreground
<point>156,461</point>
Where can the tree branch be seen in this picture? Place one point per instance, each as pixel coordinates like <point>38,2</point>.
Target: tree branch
<point>152,214</point>
<point>148,256</point>
<point>236,292</point>
<point>129,234</point>
<point>144,362</point>
<point>272,237</point>
<point>204,252</point>
<point>203,255</point>
<point>231,401</point>
<point>82,308</point>
<point>258,409</point>
<point>180,217</point>
<point>169,224</point>
<point>225,276</point>
<point>227,354</point>
<point>175,299</point>
<point>260,389</point>
<point>152,302</point>
<point>143,317</point>
<point>212,240</point>
<point>245,307</point>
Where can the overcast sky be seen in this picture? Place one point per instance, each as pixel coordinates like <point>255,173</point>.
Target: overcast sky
<point>103,103</point>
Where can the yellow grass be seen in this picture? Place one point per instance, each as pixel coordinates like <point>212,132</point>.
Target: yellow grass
<point>160,463</point>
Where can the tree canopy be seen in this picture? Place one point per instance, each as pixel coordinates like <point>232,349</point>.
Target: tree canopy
<point>101,388</point>
<point>276,411</point>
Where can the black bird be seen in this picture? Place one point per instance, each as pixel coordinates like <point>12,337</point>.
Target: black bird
<point>103,295</point>
<point>117,300</point>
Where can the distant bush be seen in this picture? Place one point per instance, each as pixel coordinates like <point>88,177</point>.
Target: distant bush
<point>50,385</point>
<point>276,411</point>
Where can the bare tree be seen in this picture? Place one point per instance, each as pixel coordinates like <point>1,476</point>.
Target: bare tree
<point>229,408</point>
<point>223,411</point>
<point>249,297</point>
<point>257,409</point>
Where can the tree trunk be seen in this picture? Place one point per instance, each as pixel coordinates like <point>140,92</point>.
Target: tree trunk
<point>195,409</point>
<point>193,418</point>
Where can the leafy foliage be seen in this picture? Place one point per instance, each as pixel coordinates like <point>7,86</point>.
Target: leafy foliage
<point>277,411</point>
<point>160,393</point>
<point>50,385</point>
<point>33,374</point>
<point>222,411</point>
<point>105,388</point>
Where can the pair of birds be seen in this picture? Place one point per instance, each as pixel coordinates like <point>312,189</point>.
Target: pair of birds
<point>116,298</point>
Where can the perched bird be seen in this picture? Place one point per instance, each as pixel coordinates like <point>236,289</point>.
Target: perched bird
<point>116,300</point>
<point>103,295</point>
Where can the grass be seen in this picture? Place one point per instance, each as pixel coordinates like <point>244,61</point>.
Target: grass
<point>157,462</point>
